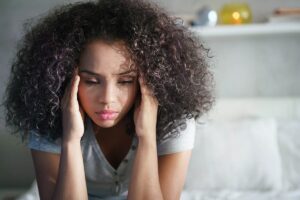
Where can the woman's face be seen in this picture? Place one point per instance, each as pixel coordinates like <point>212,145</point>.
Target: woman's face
<point>108,85</point>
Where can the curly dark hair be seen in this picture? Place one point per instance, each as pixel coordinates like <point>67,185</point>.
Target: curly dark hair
<point>171,58</point>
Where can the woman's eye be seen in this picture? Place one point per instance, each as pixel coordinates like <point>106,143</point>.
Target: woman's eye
<point>126,82</point>
<point>94,82</point>
<point>91,82</point>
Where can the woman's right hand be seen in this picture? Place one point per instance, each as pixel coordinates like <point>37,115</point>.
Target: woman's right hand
<point>72,113</point>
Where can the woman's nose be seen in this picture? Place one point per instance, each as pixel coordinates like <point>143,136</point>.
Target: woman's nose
<point>108,94</point>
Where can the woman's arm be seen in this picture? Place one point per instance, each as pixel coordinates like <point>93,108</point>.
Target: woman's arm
<point>66,181</point>
<point>60,176</point>
<point>154,178</point>
<point>157,178</point>
<point>172,169</point>
<point>71,182</point>
<point>144,183</point>
<point>46,170</point>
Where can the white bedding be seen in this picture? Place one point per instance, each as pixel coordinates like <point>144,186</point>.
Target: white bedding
<point>209,195</point>
<point>32,194</point>
<point>240,195</point>
<point>246,122</point>
<point>237,155</point>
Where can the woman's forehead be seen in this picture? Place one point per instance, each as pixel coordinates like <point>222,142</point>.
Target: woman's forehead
<point>94,69</point>
<point>100,56</point>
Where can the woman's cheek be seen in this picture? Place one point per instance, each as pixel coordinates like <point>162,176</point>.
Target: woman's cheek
<point>83,95</point>
<point>131,95</point>
<point>80,91</point>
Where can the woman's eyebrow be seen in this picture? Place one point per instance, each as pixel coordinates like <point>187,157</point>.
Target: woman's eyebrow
<point>96,74</point>
<point>126,72</point>
<point>88,72</point>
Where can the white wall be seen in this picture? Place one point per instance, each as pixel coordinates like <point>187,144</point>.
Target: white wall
<point>14,12</point>
<point>265,63</point>
<point>261,8</point>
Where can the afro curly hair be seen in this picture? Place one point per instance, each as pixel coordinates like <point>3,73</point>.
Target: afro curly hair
<point>171,58</point>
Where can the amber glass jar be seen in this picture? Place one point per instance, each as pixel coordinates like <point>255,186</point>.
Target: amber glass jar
<point>235,13</point>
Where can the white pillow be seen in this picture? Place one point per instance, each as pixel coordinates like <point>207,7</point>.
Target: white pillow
<point>238,154</point>
<point>289,146</point>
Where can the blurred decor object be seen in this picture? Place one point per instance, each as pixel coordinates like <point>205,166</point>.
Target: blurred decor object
<point>285,15</point>
<point>206,17</point>
<point>287,11</point>
<point>235,13</point>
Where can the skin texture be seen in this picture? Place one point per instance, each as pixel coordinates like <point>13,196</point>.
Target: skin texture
<point>145,114</point>
<point>101,88</point>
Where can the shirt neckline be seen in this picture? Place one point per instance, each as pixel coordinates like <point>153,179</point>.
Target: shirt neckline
<point>101,154</point>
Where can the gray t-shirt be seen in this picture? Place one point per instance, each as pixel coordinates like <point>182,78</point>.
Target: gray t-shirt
<point>104,181</point>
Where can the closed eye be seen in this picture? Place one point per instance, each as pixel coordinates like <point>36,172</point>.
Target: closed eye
<point>125,82</point>
<point>96,82</point>
<point>91,82</point>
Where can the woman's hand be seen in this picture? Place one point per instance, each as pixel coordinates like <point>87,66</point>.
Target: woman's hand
<point>72,113</point>
<point>145,113</point>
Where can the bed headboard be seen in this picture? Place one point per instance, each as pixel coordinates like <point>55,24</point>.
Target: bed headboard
<point>276,107</point>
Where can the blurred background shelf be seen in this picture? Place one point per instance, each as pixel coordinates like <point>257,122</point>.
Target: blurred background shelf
<point>256,60</point>
<point>248,29</point>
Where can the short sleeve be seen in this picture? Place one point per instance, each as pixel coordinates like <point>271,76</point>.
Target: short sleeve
<point>41,143</point>
<point>184,141</point>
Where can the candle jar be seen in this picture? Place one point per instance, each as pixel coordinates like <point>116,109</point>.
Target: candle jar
<point>235,13</point>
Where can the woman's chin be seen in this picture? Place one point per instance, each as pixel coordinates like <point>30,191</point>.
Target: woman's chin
<point>105,123</point>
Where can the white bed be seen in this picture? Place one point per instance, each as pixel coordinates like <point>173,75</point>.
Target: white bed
<point>247,149</point>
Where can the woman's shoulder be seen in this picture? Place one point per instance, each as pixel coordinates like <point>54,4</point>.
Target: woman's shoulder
<point>40,142</point>
<point>182,141</point>
<point>43,142</point>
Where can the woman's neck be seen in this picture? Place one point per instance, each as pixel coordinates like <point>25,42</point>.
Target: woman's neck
<point>117,131</point>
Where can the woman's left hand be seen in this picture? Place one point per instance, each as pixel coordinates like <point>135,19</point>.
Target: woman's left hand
<point>145,112</point>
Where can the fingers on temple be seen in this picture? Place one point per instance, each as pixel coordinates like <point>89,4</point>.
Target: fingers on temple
<point>143,87</point>
<point>74,89</point>
<point>71,90</point>
<point>145,90</point>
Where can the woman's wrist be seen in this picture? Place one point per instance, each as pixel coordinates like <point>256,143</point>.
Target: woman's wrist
<point>67,140</point>
<point>148,138</point>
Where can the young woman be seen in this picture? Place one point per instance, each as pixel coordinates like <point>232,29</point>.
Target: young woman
<point>107,94</point>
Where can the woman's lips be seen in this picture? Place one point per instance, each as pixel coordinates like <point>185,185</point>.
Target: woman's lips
<point>107,115</point>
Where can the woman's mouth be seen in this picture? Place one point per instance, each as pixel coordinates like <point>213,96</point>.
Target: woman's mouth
<point>107,115</point>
